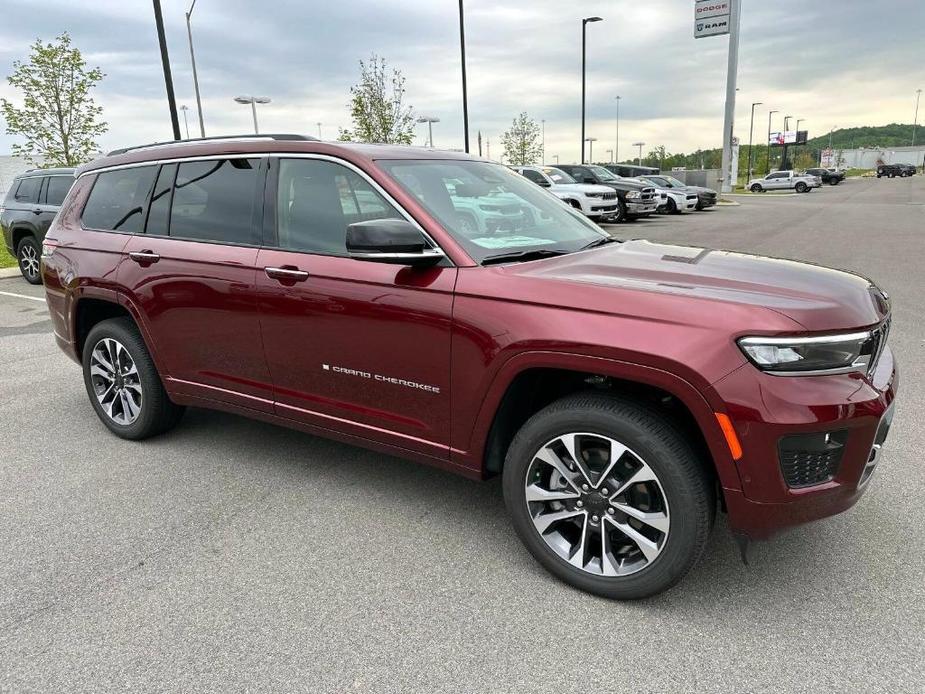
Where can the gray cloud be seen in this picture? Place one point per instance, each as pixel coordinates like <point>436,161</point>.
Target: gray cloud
<point>829,62</point>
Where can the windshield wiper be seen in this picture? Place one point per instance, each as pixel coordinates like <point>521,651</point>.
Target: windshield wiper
<point>599,242</point>
<point>535,254</point>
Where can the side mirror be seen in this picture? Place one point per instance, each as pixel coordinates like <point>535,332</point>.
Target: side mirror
<point>394,241</point>
<point>589,179</point>
<point>543,183</point>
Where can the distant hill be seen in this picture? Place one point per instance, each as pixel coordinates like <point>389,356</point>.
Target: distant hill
<point>892,135</point>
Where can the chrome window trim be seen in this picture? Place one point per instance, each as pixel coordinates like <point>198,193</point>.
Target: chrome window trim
<point>279,155</point>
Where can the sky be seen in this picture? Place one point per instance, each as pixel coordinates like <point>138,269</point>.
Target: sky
<point>833,63</point>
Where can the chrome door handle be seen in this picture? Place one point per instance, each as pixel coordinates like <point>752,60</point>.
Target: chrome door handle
<point>37,210</point>
<point>286,274</point>
<point>144,257</point>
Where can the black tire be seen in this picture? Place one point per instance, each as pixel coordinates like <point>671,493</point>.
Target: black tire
<point>158,414</point>
<point>686,485</point>
<point>699,207</point>
<point>834,182</point>
<point>671,206</point>
<point>620,216</point>
<point>756,188</point>
<point>28,253</point>
<point>801,187</point>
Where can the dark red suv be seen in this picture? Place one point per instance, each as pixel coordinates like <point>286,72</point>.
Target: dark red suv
<point>622,390</point>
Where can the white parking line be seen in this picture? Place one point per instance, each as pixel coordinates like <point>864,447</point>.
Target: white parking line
<point>23,296</point>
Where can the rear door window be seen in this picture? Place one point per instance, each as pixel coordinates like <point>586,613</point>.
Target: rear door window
<point>57,188</point>
<point>117,201</point>
<point>216,200</point>
<point>28,189</point>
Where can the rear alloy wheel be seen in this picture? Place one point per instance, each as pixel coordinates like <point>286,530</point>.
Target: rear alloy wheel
<point>28,254</point>
<point>608,496</point>
<point>671,206</point>
<point>801,187</point>
<point>756,188</point>
<point>123,384</point>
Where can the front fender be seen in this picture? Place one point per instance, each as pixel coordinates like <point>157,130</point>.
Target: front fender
<point>696,402</point>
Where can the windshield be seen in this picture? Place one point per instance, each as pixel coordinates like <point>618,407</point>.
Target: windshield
<point>558,175</point>
<point>604,174</point>
<point>675,182</point>
<point>490,210</point>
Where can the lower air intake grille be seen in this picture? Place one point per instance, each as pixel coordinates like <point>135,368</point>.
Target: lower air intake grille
<point>810,459</point>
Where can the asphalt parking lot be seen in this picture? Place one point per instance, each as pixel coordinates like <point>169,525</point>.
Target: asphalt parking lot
<point>235,555</point>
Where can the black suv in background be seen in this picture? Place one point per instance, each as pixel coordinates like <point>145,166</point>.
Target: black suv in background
<point>25,215</point>
<point>893,170</point>
<point>830,176</point>
<point>636,199</point>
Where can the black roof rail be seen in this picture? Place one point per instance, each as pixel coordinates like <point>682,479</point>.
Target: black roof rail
<point>267,136</point>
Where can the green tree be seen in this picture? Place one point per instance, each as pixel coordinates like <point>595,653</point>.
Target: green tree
<point>522,145</point>
<point>58,118</point>
<point>377,108</point>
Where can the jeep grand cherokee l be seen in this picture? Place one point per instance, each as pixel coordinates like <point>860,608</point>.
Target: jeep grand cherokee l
<point>621,390</point>
<point>26,213</point>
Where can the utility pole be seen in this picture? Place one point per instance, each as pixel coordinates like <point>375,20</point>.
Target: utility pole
<point>544,142</point>
<point>616,143</point>
<point>165,62</point>
<point>584,34</point>
<point>915,121</point>
<point>462,57</point>
<point>751,129</point>
<point>735,14</point>
<point>192,57</point>
<point>770,113</point>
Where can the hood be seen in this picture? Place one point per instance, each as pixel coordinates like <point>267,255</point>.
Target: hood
<point>628,184</point>
<point>815,297</point>
<point>582,188</point>
<point>701,189</point>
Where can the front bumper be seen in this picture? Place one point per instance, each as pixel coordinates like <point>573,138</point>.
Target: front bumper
<point>765,409</point>
<point>706,201</point>
<point>635,208</point>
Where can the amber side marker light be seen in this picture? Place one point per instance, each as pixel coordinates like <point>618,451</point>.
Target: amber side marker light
<point>735,448</point>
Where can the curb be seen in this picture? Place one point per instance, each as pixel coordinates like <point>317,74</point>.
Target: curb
<point>728,203</point>
<point>6,272</point>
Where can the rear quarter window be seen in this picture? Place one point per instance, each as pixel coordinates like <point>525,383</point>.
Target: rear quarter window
<point>117,201</point>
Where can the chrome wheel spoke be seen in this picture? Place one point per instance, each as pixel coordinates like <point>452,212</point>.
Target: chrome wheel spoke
<point>537,493</point>
<point>545,520</point>
<point>617,450</point>
<point>657,520</point>
<point>643,474</point>
<point>579,555</point>
<point>551,459</point>
<point>648,548</point>
<point>570,441</point>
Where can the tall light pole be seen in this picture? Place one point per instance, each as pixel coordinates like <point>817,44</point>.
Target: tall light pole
<point>616,142</point>
<point>165,64</point>
<point>640,146</point>
<point>192,57</point>
<point>253,101</point>
<point>751,129</point>
<point>543,156</point>
<point>430,120</point>
<point>610,155</point>
<point>185,108</point>
<point>770,113</point>
<point>462,55</point>
<point>556,157</point>
<point>584,34</point>
<point>915,121</point>
<point>591,141</point>
<point>732,69</point>
<point>319,130</point>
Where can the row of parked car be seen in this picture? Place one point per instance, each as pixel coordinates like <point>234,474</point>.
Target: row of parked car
<point>603,195</point>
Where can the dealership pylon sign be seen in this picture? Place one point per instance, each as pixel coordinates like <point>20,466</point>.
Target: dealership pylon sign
<point>711,17</point>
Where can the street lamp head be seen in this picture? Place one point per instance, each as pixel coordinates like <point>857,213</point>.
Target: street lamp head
<point>588,20</point>
<point>758,103</point>
<point>262,99</point>
<point>428,119</point>
<point>590,139</point>
<point>184,107</point>
<point>243,99</point>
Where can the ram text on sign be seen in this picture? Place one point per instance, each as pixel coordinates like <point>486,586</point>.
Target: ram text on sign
<point>715,26</point>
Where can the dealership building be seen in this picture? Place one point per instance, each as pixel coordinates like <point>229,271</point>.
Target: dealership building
<point>871,157</point>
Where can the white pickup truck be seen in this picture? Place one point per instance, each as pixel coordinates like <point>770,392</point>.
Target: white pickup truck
<point>785,180</point>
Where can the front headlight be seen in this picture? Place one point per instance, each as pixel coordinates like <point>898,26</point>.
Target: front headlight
<point>810,355</point>
<point>633,194</point>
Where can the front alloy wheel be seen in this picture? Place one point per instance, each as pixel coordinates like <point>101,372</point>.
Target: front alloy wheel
<point>608,495</point>
<point>597,504</point>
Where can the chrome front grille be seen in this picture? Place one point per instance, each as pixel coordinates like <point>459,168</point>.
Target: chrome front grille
<point>648,193</point>
<point>879,335</point>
